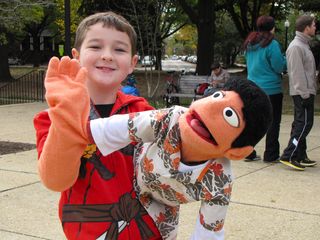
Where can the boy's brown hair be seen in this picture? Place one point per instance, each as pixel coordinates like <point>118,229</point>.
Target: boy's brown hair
<point>303,21</point>
<point>109,19</point>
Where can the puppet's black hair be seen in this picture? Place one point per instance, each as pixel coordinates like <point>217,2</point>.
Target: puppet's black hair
<point>257,111</point>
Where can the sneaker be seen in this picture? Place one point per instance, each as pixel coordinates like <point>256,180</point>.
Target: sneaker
<point>251,159</point>
<point>293,164</point>
<point>308,163</point>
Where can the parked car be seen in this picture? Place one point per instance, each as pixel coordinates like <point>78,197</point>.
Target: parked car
<point>174,57</point>
<point>147,61</point>
<point>192,59</point>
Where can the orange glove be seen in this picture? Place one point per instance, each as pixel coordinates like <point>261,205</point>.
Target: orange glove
<point>69,102</point>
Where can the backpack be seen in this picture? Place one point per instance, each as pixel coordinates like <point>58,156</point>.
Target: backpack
<point>201,87</point>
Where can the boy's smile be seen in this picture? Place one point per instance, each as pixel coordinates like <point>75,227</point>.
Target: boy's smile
<point>106,69</point>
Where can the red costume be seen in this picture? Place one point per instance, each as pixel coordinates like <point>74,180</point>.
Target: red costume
<point>102,203</point>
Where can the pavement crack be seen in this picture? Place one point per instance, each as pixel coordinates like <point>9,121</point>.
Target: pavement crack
<point>276,208</point>
<point>257,170</point>
<point>23,234</point>
<point>311,149</point>
<point>14,188</point>
<point>10,170</point>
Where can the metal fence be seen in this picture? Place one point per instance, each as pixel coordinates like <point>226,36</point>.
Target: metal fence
<point>27,88</point>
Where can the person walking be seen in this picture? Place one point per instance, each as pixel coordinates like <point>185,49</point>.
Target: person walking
<point>265,64</point>
<point>302,88</point>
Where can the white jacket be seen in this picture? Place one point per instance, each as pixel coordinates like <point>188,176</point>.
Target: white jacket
<point>301,67</point>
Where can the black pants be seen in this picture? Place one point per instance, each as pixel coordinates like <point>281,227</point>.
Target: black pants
<point>301,126</point>
<point>272,147</point>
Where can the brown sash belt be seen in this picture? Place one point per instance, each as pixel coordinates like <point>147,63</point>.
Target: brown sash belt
<point>126,209</point>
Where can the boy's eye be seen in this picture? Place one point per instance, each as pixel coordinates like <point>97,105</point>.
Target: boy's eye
<point>120,50</point>
<point>218,95</point>
<point>231,117</point>
<point>94,47</point>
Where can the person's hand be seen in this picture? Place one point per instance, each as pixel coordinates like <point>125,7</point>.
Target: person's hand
<point>214,84</point>
<point>67,94</point>
<point>69,105</point>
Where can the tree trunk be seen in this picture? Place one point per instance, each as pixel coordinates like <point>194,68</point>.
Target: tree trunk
<point>36,56</point>
<point>158,59</point>
<point>205,26</point>
<point>5,75</point>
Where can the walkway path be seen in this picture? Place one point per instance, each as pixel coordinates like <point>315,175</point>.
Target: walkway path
<point>269,201</point>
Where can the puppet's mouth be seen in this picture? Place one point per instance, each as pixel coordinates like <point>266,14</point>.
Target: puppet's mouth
<point>200,128</point>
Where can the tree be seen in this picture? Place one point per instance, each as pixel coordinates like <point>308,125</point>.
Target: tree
<point>202,14</point>
<point>75,19</point>
<point>244,13</point>
<point>227,44</point>
<point>45,19</point>
<point>13,17</point>
<point>307,5</point>
<point>154,23</point>
<point>184,42</point>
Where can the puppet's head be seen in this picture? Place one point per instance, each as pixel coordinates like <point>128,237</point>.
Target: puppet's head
<point>228,123</point>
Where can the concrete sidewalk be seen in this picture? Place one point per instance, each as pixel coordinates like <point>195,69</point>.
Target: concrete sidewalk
<point>269,201</point>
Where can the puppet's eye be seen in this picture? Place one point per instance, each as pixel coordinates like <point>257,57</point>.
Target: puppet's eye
<point>218,95</point>
<point>231,117</point>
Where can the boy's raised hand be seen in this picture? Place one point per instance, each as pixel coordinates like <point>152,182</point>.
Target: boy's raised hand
<point>69,106</point>
<point>65,80</point>
<point>67,94</point>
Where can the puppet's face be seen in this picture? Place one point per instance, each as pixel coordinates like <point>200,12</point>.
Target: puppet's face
<point>210,126</point>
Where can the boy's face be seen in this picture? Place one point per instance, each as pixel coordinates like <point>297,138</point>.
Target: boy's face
<point>210,126</point>
<point>106,54</point>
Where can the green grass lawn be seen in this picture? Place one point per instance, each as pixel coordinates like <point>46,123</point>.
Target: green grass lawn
<point>18,71</point>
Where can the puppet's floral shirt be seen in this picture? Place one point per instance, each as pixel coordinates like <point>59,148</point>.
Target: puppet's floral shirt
<point>160,184</point>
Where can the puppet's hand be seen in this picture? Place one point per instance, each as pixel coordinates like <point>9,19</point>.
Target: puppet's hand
<point>67,95</point>
<point>69,103</point>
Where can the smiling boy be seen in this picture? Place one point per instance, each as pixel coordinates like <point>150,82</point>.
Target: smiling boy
<point>87,87</point>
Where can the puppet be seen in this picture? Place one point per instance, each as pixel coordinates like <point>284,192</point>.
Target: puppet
<point>182,154</point>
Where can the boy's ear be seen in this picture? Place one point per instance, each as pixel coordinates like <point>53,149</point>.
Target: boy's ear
<point>134,61</point>
<point>75,53</point>
<point>238,153</point>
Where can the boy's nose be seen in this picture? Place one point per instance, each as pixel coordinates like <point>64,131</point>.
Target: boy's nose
<point>107,56</point>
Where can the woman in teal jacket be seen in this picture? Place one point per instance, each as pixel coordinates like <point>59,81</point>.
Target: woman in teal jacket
<point>265,64</point>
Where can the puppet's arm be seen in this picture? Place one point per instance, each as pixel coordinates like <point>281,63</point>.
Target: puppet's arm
<point>115,132</point>
<point>110,134</point>
<point>202,233</point>
<point>215,198</point>
<point>69,104</point>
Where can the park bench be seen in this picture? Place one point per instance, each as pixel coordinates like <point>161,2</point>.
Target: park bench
<point>184,88</point>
